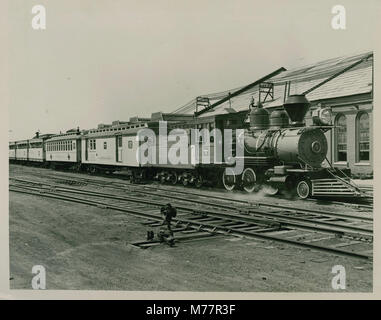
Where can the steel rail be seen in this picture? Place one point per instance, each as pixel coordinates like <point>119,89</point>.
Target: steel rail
<point>263,204</point>
<point>114,185</point>
<point>103,183</point>
<point>216,229</point>
<point>252,210</point>
<point>281,220</point>
<point>315,212</point>
<point>363,205</point>
<point>236,218</point>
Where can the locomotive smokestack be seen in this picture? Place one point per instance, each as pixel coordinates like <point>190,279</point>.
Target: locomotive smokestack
<point>296,107</point>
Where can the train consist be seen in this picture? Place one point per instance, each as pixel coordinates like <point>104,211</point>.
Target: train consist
<point>280,151</point>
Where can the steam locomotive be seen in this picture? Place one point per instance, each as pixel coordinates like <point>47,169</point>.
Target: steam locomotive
<point>289,156</point>
<point>278,155</point>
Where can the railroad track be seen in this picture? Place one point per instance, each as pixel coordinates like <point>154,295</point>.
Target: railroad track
<point>224,202</point>
<point>364,204</point>
<point>198,218</point>
<point>75,180</point>
<point>67,179</point>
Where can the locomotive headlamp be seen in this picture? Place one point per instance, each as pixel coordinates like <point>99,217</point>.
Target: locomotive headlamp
<point>326,115</point>
<point>322,116</point>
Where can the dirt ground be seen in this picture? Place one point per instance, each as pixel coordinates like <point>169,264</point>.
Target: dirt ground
<point>89,248</point>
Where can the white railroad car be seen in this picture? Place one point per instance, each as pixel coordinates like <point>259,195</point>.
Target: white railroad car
<point>36,150</point>
<point>12,151</point>
<point>22,150</point>
<point>110,147</point>
<point>64,149</point>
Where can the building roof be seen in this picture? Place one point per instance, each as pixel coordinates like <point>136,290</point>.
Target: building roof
<point>357,80</point>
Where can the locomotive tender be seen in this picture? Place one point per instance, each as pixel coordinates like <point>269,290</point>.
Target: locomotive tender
<point>277,154</point>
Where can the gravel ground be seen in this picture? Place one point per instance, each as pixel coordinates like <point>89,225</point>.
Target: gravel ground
<point>89,248</point>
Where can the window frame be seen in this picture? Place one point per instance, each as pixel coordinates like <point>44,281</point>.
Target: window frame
<point>336,138</point>
<point>92,145</point>
<point>358,137</point>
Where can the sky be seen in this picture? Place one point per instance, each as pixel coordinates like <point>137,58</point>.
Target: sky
<point>98,61</point>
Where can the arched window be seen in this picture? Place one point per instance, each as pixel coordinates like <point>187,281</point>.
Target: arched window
<point>341,138</point>
<point>363,137</point>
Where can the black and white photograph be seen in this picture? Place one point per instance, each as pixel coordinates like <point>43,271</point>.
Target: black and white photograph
<point>178,147</point>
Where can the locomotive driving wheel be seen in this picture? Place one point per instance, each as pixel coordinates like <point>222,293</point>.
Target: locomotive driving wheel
<point>185,181</point>
<point>303,189</point>
<point>249,180</point>
<point>93,170</point>
<point>229,179</point>
<point>198,181</point>
<point>173,177</point>
<point>162,177</point>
